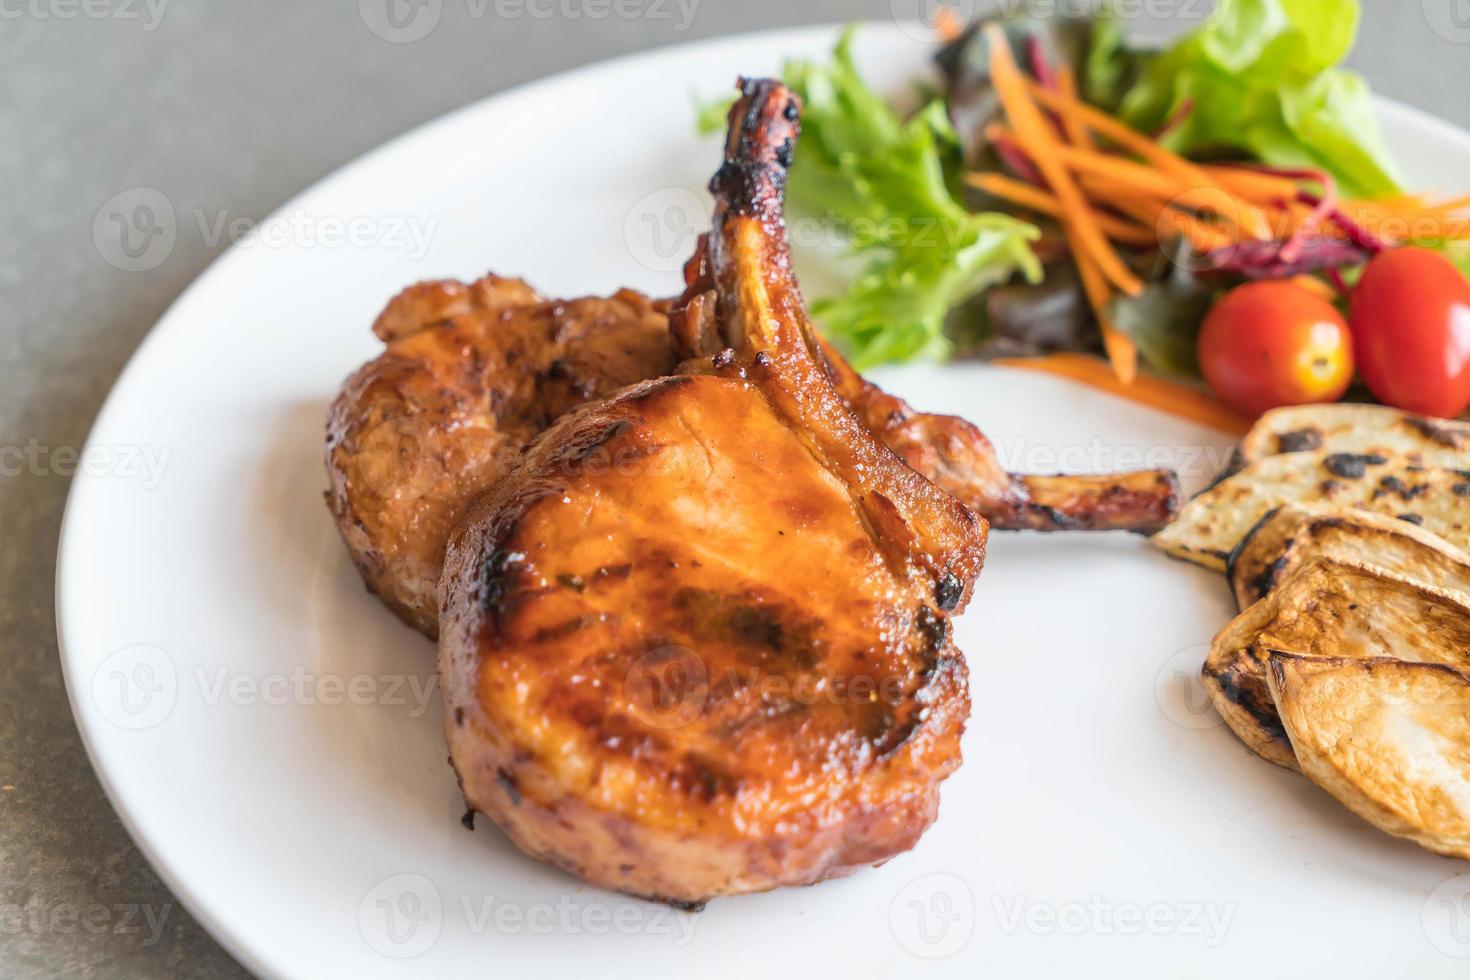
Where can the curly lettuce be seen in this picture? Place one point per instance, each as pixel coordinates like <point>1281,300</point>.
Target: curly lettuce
<point>1261,77</point>
<point>883,186</point>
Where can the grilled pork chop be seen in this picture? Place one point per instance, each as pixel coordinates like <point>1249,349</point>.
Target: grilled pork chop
<point>471,373</point>
<point>724,664</point>
<point>951,451</point>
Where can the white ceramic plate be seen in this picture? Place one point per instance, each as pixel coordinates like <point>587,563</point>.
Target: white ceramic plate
<point>270,736</point>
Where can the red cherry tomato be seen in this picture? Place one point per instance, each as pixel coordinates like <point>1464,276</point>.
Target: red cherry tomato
<point>1268,344</point>
<point>1411,331</point>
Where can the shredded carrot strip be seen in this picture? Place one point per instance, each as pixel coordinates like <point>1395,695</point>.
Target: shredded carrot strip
<point>947,25</point>
<point>1135,180</point>
<point>1158,215</point>
<point>1189,174</point>
<point>1457,204</point>
<point>1252,185</point>
<point>1036,199</point>
<point>1166,396</point>
<point>1038,139</point>
<point>1406,204</point>
<point>1122,352</point>
<point>1071,124</point>
<point>1107,183</point>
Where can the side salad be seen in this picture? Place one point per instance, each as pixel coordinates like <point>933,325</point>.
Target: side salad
<point>1223,209</point>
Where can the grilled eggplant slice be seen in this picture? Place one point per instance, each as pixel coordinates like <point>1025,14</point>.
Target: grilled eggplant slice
<point>1349,428</point>
<point>1212,524</point>
<point>1389,739</point>
<point>1290,537</point>
<point>1328,609</point>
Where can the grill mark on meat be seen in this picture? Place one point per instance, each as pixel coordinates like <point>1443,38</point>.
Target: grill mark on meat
<point>935,628</point>
<point>565,629</point>
<point>507,781</point>
<point>498,580</point>
<point>827,792</point>
<point>948,592</point>
<point>752,624</point>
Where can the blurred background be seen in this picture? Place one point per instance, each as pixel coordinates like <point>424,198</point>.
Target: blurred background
<point>230,109</point>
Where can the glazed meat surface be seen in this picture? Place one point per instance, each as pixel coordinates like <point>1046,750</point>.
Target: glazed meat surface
<point>470,374</point>
<point>697,642</point>
<point>949,450</point>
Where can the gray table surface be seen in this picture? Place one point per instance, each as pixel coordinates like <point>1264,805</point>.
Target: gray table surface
<point>235,107</point>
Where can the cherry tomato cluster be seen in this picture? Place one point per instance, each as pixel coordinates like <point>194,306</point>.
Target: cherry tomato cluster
<point>1268,344</point>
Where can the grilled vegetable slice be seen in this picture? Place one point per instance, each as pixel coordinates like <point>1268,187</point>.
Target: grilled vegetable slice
<point>1290,537</point>
<point>1389,739</point>
<point>1350,428</point>
<point>1328,609</point>
<point>1212,524</point>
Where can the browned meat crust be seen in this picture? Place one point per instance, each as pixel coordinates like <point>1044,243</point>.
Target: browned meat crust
<point>471,373</point>
<point>725,665</point>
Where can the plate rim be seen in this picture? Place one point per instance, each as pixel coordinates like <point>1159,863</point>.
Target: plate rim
<point>174,876</point>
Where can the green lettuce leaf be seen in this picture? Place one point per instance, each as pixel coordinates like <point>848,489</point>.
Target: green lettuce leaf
<point>886,189</point>
<point>1261,77</point>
